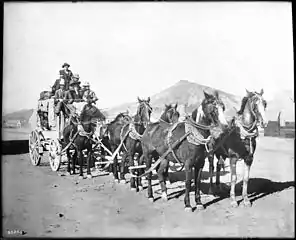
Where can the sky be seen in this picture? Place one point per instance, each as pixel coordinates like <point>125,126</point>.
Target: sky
<point>130,49</point>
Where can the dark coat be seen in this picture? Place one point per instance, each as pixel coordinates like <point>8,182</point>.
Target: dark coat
<point>56,86</point>
<point>59,94</point>
<point>67,76</point>
<point>71,96</point>
<point>89,94</point>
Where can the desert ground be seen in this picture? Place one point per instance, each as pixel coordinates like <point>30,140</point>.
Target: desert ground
<point>38,202</point>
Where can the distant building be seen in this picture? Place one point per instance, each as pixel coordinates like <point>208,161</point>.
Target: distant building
<point>11,123</point>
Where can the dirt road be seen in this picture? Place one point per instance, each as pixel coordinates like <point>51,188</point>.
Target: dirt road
<point>38,202</point>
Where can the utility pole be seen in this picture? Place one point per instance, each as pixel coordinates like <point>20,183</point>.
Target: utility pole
<point>279,123</point>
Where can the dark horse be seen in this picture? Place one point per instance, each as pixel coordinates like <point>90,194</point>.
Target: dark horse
<point>80,130</point>
<point>132,141</point>
<point>111,138</point>
<point>240,141</point>
<point>159,138</point>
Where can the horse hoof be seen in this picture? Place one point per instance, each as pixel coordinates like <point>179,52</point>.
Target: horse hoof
<point>80,177</point>
<point>133,189</point>
<point>89,176</point>
<point>247,203</point>
<point>164,197</point>
<point>200,207</point>
<point>140,188</point>
<point>151,199</point>
<point>110,173</point>
<point>122,181</point>
<point>234,204</point>
<point>188,209</point>
<point>68,173</point>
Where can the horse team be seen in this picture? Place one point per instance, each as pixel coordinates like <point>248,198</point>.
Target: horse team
<point>203,134</point>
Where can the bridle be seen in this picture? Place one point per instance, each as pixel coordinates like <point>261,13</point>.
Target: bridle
<point>254,110</point>
<point>215,104</point>
<point>170,119</point>
<point>148,108</point>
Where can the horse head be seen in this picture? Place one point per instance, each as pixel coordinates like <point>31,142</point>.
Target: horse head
<point>256,104</point>
<point>90,115</point>
<point>170,114</point>
<point>212,108</point>
<point>122,118</point>
<point>143,112</point>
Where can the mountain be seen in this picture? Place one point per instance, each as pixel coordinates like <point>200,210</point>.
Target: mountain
<point>183,92</point>
<point>22,115</point>
<point>190,93</point>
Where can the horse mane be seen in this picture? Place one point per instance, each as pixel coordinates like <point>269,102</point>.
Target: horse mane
<point>90,112</point>
<point>117,117</point>
<point>194,114</point>
<point>164,115</point>
<point>244,102</point>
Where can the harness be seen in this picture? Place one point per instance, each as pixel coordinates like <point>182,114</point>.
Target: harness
<point>80,130</point>
<point>194,137</point>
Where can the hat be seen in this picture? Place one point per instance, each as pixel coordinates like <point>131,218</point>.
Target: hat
<point>76,76</point>
<point>62,82</point>
<point>73,82</point>
<point>85,84</point>
<point>66,64</point>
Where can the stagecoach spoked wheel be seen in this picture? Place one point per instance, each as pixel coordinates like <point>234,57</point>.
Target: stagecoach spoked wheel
<point>35,148</point>
<point>54,156</point>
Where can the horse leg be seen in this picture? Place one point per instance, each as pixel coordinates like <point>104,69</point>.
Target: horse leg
<point>247,166</point>
<point>115,165</point>
<point>131,163</point>
<point>74,160</point>
<point>89,155</point>
<point>233,161</point>
<point>80,157</point>
<point>148,161</point>
<point>218,169</point>
<point>161,177</point>
<point>211,171</point>
<point>69,160</point>
<point>140,171</point>
<point>122,168</point>
<point>197,180</point>
<point>188,174</point>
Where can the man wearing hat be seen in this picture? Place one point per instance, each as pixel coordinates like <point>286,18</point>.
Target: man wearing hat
<point>56,85</point>
<point>89,96</point>
<point>67,74</point>
<point>59,97</point>
<point>72,95</point>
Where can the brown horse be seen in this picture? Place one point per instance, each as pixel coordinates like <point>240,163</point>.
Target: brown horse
<point>120,120</point>
<point>132,142</point>
<point>240,141</point>
<point>79,131</point>
<point>113,131</point>
<point>190,151</point>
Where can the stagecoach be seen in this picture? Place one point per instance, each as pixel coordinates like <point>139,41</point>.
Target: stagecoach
<point>49,128</point>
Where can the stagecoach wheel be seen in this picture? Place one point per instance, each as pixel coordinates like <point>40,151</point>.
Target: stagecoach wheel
<point>54,155</point>
<point>35,148</point>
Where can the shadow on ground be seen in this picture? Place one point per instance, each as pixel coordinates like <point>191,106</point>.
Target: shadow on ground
<point>15,147</point>
<point>180,176</point>
<point>257,189</point>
